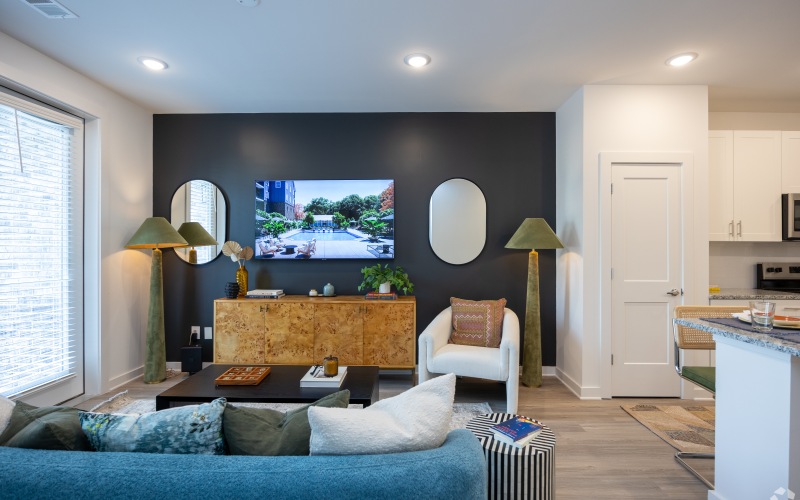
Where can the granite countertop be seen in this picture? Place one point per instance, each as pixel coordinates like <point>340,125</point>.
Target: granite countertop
<point>746,335</point>
<point>751,294</point>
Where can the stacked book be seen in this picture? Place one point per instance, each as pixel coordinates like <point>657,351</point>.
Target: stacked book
<point>381,296</point>
<point>517,431</point>
<point>265,294</point>
<point>315,377</point>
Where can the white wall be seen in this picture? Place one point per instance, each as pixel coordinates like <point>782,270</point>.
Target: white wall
<point>624,118</point>
<point>119,196</point>
<point>570,228</point>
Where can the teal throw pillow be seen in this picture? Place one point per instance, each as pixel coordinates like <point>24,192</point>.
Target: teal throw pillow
<point>260,431</point>
<point>195,429</point>
<point>45,428</point>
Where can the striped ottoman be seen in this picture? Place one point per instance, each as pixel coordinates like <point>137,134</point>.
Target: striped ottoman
<point>516,472</point>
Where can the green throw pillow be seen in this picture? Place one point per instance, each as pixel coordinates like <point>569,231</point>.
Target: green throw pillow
<point>260,431</point>
<point>45,428</point>
<point>195,429</point>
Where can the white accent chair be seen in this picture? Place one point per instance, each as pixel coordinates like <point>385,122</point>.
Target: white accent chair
<point>437,357</point>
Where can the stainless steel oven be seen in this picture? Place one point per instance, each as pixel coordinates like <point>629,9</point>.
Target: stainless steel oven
<point>791,216</point>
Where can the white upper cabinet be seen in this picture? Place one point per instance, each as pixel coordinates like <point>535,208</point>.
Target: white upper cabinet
<point>790,162</point>
<point>745,185</point>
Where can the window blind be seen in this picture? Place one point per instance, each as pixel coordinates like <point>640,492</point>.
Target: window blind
<point>41,248</point>
<point>203,209</point>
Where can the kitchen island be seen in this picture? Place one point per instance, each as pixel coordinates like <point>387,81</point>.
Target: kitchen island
<point>757,435</point>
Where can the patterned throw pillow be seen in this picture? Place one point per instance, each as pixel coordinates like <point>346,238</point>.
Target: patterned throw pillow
<point>477,322</point>
<point>195,429</point>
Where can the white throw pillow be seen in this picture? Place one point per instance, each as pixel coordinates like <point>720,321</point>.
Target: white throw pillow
<point>417,419</point>
<point>6,407</point>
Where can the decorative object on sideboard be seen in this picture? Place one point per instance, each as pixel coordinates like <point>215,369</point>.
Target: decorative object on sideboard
<point>240,256</point>
<point>196,236</point>
<point>328,290</point>
<point>156,233</point>
<point>313,292</point>
<point>231,290</point>
<point>380,278</point>
<point>533,234</point>
<point>200,201</point>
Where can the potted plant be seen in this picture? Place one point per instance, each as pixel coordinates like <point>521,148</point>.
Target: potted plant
<point>381,278</point>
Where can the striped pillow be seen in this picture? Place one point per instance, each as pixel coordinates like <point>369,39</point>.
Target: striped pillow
<point>477,322</point>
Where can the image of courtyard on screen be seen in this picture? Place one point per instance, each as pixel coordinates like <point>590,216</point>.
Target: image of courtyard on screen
<point>324,219</point>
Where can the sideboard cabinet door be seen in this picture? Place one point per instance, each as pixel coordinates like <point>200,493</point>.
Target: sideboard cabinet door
<point>239,332</point>
<point>389,334</point>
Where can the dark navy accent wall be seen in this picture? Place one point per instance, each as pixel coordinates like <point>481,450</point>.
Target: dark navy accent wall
<point>510,156</point>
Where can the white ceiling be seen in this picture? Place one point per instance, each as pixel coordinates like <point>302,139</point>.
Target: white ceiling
<point>488,55</point>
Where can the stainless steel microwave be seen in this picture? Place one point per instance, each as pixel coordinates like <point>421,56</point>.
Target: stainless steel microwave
<point>791,216</point>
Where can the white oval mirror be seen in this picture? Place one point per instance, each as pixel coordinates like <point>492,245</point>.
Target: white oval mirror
<point>203,202</point>
<point>457,221</point>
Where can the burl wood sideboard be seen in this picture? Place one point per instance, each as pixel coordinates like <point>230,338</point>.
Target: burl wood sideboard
<point>296,329</point>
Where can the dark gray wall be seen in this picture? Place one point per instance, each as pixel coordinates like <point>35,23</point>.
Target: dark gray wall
<point>510,156</point>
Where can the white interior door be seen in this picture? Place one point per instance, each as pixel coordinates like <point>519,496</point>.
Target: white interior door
<point>646,284</point>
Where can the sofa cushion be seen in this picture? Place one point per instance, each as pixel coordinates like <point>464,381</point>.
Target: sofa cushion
<point>45,428</point>
<point>261,431</point>
<point>417,419</point>
<point>477,322</point>
<point>195,429</point>
<point>6,405</point>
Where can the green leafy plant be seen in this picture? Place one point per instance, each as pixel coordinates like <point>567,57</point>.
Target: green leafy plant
<point>373,276</point>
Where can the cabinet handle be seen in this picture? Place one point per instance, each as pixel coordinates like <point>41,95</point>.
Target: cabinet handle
<point>730,228</point>
<point>739,228</point>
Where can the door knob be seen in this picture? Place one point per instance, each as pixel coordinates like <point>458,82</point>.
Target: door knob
<point>674,292</point>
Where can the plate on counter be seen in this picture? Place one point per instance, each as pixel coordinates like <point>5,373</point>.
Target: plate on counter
<point>781,321</point>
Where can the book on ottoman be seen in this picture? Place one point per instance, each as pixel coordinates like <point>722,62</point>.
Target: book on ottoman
<point>517,431</point>
<point>315,377</point>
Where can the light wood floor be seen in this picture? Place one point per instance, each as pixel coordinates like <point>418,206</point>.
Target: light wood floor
<point>601,451</point>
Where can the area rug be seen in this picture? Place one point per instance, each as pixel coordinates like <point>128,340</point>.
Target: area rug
<point>685,428</point>
<point>123,403</point>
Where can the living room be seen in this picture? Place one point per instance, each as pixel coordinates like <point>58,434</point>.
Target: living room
<point>530,161</point>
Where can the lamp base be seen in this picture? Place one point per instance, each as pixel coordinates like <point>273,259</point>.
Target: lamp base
<point>155,361</point>
<point>532,342</point>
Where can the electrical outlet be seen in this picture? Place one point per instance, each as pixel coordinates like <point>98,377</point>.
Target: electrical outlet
<point>195,332</point>
<point>208,332</point>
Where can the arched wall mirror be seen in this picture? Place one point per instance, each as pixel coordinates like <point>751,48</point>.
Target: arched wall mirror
<point>203,202</point>
<point>457,222</point>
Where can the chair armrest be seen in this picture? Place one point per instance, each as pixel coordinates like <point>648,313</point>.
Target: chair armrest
<point>509,341</point>
<point>437,332</point>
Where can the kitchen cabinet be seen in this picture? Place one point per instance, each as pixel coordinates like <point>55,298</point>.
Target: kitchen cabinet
<point>744,185</point>
<point>790,162</point>
<point>297,329</point>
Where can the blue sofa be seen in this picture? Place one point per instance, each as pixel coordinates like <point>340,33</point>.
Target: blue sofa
<point>456,470</point>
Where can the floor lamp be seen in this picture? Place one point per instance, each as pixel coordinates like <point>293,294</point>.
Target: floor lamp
<point>156,233</point>
<point>196,236</point>
<point>533,234</point>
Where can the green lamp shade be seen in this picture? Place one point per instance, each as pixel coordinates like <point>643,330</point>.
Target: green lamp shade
<point>532,234</point>
<point>196,235</point>
<point>156,232</point>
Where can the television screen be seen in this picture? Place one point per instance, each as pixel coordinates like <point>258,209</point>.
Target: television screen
<point>324,219</point>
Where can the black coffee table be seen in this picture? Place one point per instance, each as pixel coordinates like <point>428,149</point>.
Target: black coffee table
<point>282,385</point>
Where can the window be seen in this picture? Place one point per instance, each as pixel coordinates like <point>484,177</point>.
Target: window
<point>202,208</point>
<point>41,250</point>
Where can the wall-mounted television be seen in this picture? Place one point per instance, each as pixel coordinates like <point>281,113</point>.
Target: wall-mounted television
<point>324,219</point>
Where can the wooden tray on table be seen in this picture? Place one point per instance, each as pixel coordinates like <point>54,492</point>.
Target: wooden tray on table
<point>243,375</point>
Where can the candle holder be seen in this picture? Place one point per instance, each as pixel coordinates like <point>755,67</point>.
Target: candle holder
<point>330,366</point>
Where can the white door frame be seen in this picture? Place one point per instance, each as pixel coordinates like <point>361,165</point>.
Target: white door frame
<point>606,161</point>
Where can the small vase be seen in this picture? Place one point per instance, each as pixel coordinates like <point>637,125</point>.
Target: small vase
<point>385,287</point>
<point>328,290</point>
<point>241,279</point>
<point>231,290</point>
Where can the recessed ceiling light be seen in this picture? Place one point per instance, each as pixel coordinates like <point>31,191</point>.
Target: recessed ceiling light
<point>682,59</point>
<point>153,63</point>
<point>417,60</point>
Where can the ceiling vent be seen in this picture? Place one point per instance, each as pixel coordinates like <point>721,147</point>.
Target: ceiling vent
<point>50,9</point>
